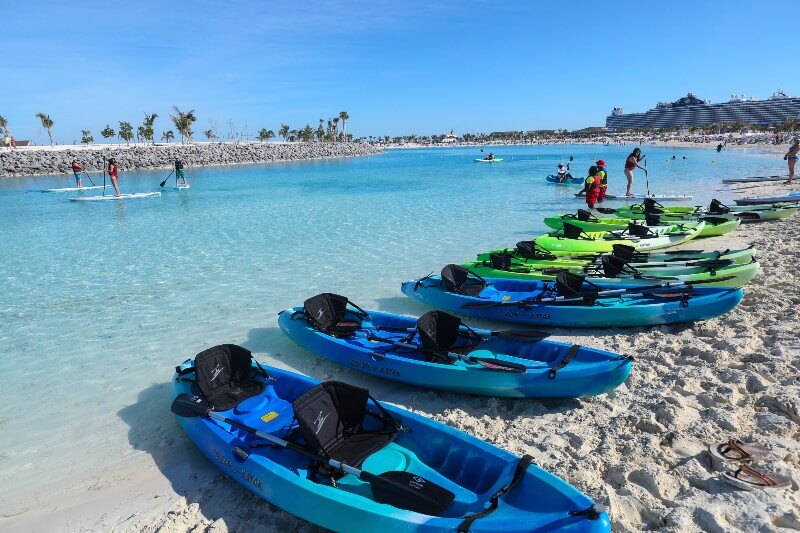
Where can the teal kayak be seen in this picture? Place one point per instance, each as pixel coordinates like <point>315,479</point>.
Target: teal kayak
<point>493,160</point>
<point>332,455</point>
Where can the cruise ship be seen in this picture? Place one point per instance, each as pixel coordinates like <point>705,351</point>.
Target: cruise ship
<point>692,111</point>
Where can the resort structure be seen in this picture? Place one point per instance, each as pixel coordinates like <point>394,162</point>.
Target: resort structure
<point>692,111</point>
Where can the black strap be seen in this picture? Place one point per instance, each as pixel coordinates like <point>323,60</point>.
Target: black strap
<point>182,372</point>
<point>564,362</point>
<point>523,465</point>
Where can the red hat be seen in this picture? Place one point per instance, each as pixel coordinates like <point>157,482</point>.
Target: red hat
<point>601,163</point>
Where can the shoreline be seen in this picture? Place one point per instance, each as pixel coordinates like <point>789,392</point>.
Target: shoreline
<point>639,450</point>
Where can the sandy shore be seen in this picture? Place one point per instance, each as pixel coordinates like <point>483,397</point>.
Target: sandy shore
<point>640,450</point>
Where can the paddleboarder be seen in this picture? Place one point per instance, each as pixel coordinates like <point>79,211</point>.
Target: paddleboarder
<point>791,157</point>
<point>630,164</point>
<point>113,173</point>
<point>77,170</point>
<point>179,165</point>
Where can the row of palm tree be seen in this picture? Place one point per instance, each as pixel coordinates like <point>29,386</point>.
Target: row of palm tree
<point>184,121</point>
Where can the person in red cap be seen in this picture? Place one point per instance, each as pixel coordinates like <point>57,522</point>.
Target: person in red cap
<point>601,165</point>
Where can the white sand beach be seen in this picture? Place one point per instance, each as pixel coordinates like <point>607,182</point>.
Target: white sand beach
<point>640,450</point>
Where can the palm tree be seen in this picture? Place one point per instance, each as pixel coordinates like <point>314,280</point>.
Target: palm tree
<point>3,125</point>
<point>47,123</point>
<point>344,117</point>
<point>307,133</point>
<point>108,132</point>
<point>183,123</point>
<point>167,136</point>
<point>125,131</point>
<point>146,130</point>
<point>335,128</point>
<point>263,134</point>
<point>283,131</point>
<point>790,124</point>
<point>209,134</point>
<point>86,137</point>
<point>330,129</point>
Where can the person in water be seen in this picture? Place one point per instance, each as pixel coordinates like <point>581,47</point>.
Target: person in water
<point>77,170</point>
<point>591,185</point>
<point>601,168</point>
<point>719,147</point>
<point>563,173</point>
<point>179,171</point>
<point>630,164</point>
<point>791,156</point>
<point>113,173</point>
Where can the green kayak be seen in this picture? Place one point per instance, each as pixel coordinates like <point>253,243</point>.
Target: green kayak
<point>642,238</point>
<point>715,225</point>
<point>722,273</point>
<point>748,213</point>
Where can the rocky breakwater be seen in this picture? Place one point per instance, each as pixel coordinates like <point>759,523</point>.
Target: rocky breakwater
<point>58,160</point>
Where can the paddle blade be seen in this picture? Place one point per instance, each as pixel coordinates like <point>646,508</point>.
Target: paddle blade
<point>499,364</point>
<point>522,335</point>
<point>189,406</point>
<point>408,491</point>
<point>162,183</point>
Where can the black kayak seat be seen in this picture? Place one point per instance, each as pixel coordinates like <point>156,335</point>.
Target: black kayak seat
<point>531,250</point>
<point>331,418</point>
<point>328,313</point>
<point>500,261</point>
<point>459,280</point>
<point>222,374</point>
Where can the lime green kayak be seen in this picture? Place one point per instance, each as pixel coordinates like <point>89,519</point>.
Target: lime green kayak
<point>493,160</point>
<point>747,213</point>
<point>706,272</point>
<point>715,225</point>
<point>642,238</point>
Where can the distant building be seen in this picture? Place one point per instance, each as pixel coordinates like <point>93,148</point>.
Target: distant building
<point>692,111</point>
<point>450,138</point>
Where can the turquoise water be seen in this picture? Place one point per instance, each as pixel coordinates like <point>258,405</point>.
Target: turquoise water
<point>100,301</point>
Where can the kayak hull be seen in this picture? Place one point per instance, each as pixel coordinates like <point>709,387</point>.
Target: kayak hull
<point>592,372</point>
<point>469,467</point>
<point>740,256</point>
<point>568,181</point>
<point>614,312</point>
<point>604,241</point>
<point>711,228</point>
<point>755,200</point>
<point>495,160</point>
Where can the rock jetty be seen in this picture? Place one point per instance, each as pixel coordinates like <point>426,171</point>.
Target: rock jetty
<point>58,160</point>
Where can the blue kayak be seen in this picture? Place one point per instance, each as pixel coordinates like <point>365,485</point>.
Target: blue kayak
<point>253,411</point>
<point>389,346</point>
<point>555,179</point>
<point>582,305</point>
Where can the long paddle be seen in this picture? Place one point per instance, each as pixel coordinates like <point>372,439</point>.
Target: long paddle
<point>490,363</point>
<point>398,488</point>
<point>165,179</point>
<point>520,335</point>
<point>89,178</point>
<point>104,176</point>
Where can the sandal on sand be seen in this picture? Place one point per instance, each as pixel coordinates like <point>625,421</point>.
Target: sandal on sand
<point>748,478</point>
<point>737,451</point>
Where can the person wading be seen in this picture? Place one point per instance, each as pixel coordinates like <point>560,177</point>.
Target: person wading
<point>601,195</point>
<point>113,173</point>
<point>631,163</point>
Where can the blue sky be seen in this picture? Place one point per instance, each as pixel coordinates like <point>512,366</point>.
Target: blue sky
<point>397,67</point>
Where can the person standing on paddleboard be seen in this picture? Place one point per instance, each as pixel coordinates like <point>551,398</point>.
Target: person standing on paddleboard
<point>791,156</point>
<point>113,173</point>
<point>601,195</point>
<point>630,164</point>
<point>77,169</point>
<point>179,171</point>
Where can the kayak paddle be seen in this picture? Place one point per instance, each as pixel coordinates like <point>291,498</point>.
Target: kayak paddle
<point>490,363</point>
<point>165,179</point>
<point>401,489</point>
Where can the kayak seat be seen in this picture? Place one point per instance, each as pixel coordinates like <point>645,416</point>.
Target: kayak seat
<point>531,250</point>
<point>459,280</point>
<point>500,261</point>
<point>332,418</point>
<point>328,313</point>
<point>439,332</point>
<point>223,375</point>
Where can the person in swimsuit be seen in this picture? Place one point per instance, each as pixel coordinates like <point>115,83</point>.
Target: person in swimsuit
<point>631,163</point>
<point>791,156</point>
<point>77,169</point>
<point>179,171</point>
<point>113,172</point>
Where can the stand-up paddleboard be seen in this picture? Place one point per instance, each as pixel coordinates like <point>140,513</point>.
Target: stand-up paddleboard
<point>112,197</point>
<point>659,197</point>
<point>72,189</point>
<point>182,186</point>
<point>754,179</point>
<point>752,200</point>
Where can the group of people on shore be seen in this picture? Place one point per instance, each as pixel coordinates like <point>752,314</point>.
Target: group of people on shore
<point>113,172</point>
<point>596,183</point>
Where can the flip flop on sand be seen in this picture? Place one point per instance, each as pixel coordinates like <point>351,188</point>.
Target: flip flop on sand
<point>736,451</point>
<point>748,478</point>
